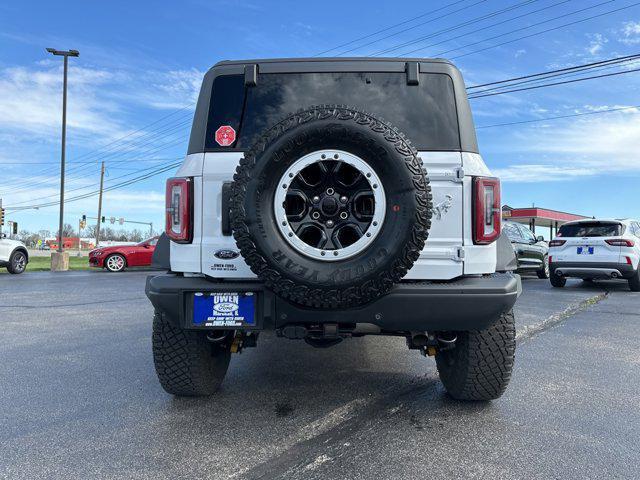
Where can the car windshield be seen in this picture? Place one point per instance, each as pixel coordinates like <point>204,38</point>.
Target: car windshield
<point>591,229</point>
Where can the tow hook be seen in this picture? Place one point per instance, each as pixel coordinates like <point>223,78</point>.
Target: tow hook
<point>243,340</point>
<point>430,344</point>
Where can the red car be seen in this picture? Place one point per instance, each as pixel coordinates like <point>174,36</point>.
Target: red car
<point>119,257</point>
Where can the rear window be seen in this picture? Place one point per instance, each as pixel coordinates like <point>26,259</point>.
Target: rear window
<point>426,112</point>
<point>591,229</point>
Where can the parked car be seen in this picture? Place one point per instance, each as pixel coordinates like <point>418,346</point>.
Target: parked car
<point>596,249</point>
<point>531,252</point>
<point>296,213</point>
<point>117,258</point>
<point>13,255</point>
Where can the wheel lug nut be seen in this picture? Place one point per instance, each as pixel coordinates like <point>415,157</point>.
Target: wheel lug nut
<point>315,215</point>
<point>344,199</point>
<point>329,223</point>
<point>344,215</point>
<point>330,191</point>
<point>315,199</point>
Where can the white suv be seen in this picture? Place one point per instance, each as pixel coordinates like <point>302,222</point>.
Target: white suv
<point>596,249</point>
<point>13,255</point>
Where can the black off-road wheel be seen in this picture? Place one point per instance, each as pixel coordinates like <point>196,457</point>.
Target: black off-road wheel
<point>557,281</point>
<point>186,362</point>
<point>331,207</point>
<point>479,366</point>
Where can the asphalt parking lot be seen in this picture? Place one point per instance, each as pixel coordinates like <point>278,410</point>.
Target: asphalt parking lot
<point>79,397</point>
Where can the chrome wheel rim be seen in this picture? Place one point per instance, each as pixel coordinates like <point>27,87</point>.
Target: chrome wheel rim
<point>115,263</point>
<point>329,205</point>
<point>20,263</point>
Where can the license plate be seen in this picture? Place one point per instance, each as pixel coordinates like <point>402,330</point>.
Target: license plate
<point>224,309</point>
<point>585,250</point>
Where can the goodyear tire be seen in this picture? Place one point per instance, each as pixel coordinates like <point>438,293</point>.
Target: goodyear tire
<point>357,185</point>
<point>186,363</point>
<point>480,365</point>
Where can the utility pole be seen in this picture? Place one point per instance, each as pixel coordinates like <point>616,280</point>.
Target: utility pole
<point>100,205</point>
<point>61,261</point>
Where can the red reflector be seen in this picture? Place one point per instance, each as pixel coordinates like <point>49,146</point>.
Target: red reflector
<point>550,258</point>
<point>557,243</point>
<point>487,216</point>
<point>628,260</point>
<point>620,242</point>
<point>179,210</point>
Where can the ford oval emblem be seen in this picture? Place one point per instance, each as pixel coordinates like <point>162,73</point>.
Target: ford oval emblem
<point>226,254</point>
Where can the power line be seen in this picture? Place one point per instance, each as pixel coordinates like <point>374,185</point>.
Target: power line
<point>559,117</point>
<point>91,186</point>
<point>493,25</point>
<point>419,25</point>
<point>553,84</point>
<point>94,193</point>
<point>539,33</point>
<point>461,25</point>
<point>389,28</point>
<point>559,70</point>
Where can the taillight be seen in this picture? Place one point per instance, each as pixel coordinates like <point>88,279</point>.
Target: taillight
<point>550,259</point>
<point>628,260</point>
<point>487,217</point>
<point>179,210</point>
<point>557,243</point>
<point>620,242</point>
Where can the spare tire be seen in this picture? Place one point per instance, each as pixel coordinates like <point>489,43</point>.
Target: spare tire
<point>331,207</point>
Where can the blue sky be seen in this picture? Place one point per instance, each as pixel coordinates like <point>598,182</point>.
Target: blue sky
<point>142,61</point>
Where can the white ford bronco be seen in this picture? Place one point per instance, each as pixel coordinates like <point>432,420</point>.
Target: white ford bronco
<point>332,198</point>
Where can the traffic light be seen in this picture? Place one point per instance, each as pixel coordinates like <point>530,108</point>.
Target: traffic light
<point>15,228</point>
<point>102,219</point>
<point>1,217</point>
<point>84,218</point>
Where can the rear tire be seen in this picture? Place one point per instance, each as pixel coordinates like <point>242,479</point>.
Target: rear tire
<point>186,362</point>
<point>479,366</point>
<point>544,273</point>
<point>17,263</point>
<point>634,282</point>
<point>557,281</point>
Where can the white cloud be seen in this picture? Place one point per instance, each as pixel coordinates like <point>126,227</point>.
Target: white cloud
<point>520,53</point>
<point>630,33</point>
<point>533,173</point>
<point>597,43</point>
<point>580,147</point>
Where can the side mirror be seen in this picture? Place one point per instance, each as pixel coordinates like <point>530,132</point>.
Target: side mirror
<point>539,238</point>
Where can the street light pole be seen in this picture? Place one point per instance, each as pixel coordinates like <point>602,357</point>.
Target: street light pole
<point>65,54</point>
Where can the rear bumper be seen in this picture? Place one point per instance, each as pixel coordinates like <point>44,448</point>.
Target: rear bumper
<point>472,303</point>
<point>592,269</point>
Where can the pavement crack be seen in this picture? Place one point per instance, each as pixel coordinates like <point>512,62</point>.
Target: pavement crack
<point>551,321</point>
<point>75,304</point>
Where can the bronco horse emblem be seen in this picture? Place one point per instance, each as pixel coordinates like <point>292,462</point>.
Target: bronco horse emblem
<point>443,207</point>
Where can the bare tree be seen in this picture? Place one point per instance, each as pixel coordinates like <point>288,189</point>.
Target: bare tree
<point>68,231</point>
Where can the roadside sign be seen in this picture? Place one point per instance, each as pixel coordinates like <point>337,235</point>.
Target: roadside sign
<point>112,220</point>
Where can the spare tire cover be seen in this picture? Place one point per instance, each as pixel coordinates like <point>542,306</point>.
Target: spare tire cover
<point>331,207</point>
